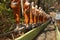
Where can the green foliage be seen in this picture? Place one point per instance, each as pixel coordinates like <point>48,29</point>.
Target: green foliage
<point>46,4</point>
<point>6,16</point>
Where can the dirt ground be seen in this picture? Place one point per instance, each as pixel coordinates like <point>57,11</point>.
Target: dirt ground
<point>47,34</point>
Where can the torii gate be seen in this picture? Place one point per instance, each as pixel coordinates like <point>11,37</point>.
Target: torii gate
<point>35,15</point>
<point>26,13</point>
<point>31,13</point>
<point>15,5</point>
<point>40,16</point>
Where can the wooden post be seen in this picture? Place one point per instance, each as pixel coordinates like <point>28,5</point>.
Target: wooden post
<point>44,18</point>
<point>22,2</point>
<point>15,5</point>
<point>35,16</point>
<point>26,12</point>
<point>41,16</point>
<point>31,13</point>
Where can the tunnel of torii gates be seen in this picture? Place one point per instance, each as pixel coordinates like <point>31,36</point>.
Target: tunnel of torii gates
<point>32,14</point>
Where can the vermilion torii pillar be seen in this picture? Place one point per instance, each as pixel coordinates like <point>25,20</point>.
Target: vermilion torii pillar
<point>35,15</point>
<point>40,16</point>
<point>26,12</point>
<point>15,5</point>
<point>32,13</point>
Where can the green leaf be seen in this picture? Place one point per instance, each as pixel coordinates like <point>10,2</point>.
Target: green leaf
<point>57,33</point>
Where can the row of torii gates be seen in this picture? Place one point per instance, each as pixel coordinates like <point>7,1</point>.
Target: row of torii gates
<point>33,15</point>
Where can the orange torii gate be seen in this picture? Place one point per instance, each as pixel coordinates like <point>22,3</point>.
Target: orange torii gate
<point>40,16</point>
<point>35,15</point>
<point>44,18</point>
<point>15,5</point>
<point>26,12</point>
<point>31,13</point>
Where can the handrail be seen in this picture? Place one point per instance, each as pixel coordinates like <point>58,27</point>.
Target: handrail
<point>33,33</point>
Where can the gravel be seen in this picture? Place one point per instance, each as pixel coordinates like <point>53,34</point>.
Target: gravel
<point>47,34</point>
